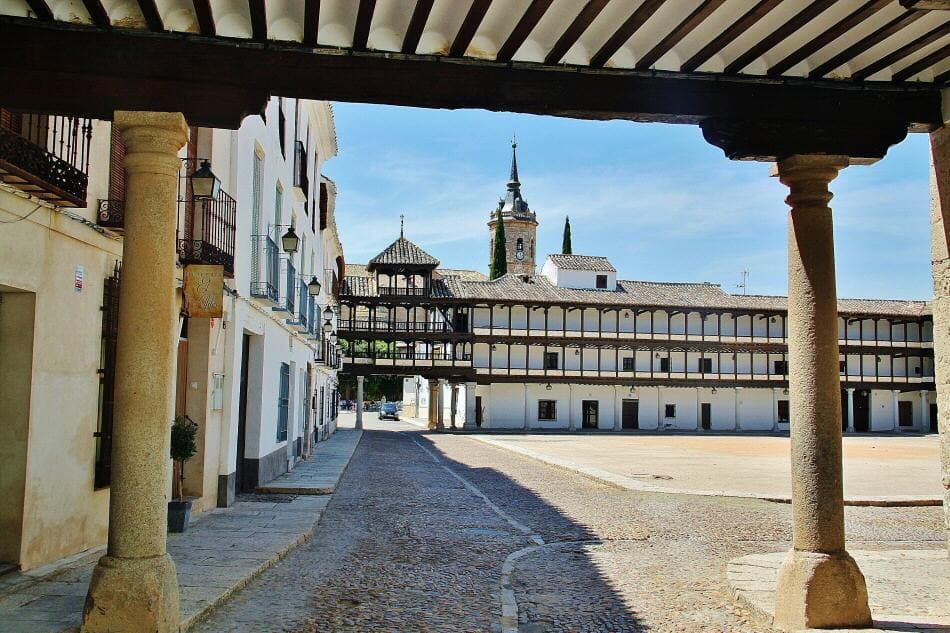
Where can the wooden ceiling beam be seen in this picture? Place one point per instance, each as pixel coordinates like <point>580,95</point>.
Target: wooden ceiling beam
<point>205,17</point>
<point>532,15</point>
<point>625,31</point>
<point>829,35</point>
<point>573,32</point>
<point>153,18</point>
<point>83,70</point>
<point>97,12</point>
<point>684,28</point>
<point>942,78</point>
<point>903,52</point>
<point>473,19</point>
<point>926,5</point>
<point>737,28</point>
<point>364,19</point>
<point>923,64</point>
<point>40,9</point>
<point>258,20</point>
<point>311,22</point>
<point>865,43</point>
<point>779,35</point>
<point>417,24</point>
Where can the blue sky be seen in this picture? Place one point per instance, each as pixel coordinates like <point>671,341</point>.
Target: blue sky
<point>657,200</point>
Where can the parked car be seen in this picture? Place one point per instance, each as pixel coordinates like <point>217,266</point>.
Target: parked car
<point>389,411</point>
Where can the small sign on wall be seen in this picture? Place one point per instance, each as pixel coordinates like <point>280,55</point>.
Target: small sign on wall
<point>79,278</point>
<point>203,291</point>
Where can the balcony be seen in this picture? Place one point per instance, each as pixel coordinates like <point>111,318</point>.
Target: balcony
<point>211,236</point>
<point>111,215</point>
<point>265,268</point>
<point>46,156</point>
<point>301,180</point>
<point>402,292</point>
<point>365,325</point>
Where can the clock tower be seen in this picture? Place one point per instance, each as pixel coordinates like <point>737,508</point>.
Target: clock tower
<point>521,225</point>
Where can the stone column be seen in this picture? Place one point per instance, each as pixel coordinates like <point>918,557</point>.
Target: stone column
<point>924,412</point>
<point>417,412</point>
<point>440,403</point>
<point>469,406</point>
<point>775,409</point>
<point>940,262</point>
<point>738,426</point>
<point>897,423</point>
<point>134,587</point>
<point>454,404</point>
<point>850,409</point>
<point>359,402</point>
<point>819,584</point>
<point>433,403</point>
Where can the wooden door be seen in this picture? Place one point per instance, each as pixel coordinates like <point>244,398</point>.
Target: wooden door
<point>589,414</point>
<point>630,414</point>
<point>905,413</point>
<point>478,410</point>
<point>705,411</point>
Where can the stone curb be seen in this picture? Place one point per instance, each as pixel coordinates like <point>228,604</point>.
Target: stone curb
<point>629,483</point>
<point>292,489</point>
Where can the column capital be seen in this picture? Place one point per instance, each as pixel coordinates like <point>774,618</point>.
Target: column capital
<point>152,140</point>
<point>807,177</point>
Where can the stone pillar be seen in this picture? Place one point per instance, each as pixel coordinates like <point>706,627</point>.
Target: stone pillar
<point>433,403</point>
<point>440,403</point>
<point>454,404</point>
<point>570,407</point>
<point>417,413</point>
<point>134,587</point>
<point>924,412</point>
<point>940,262</point>
<point>359,402</point>
<point>469,406</point>
<point>775,409</point>
<point>850,409</point>
<point>819,584</point>
<point>738,426</point>
<point>897,423</point>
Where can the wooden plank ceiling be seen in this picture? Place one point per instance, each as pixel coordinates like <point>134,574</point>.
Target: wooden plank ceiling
<point>866,41</point>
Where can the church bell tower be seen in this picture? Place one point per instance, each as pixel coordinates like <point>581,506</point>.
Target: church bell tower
<point>521,225</point>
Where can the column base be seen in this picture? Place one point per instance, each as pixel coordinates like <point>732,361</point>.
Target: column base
<point>818,590</point>
<point>132,594</point>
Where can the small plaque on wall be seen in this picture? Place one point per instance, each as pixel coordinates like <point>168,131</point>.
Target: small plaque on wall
<point>204,286</point>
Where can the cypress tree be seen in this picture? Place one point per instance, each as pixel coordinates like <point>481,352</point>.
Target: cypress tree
<point>566,244</point>
<point>499,259</point>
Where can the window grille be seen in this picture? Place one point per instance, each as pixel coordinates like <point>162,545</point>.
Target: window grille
<point>283,402</point>
<point>547,410</point>
<point>110,329</point>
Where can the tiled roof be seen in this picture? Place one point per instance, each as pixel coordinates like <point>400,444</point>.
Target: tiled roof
<point>474,286</point>
<point>462,274</point>
<point>402,252</point>
<point>582,262</point>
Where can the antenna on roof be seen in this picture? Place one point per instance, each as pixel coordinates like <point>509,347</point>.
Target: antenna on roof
<point>402,223</point>
<point>744,283</point>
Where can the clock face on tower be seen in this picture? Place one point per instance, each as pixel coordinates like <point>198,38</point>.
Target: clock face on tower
<point>519,255</point>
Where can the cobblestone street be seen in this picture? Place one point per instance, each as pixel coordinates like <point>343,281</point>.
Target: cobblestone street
<point>417,536</point>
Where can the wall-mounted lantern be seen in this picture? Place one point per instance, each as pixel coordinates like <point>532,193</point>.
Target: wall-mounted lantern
<point>204,184</point>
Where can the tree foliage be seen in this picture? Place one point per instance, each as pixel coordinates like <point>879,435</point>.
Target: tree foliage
<point>566,243</point>
<point>184,445</point>
<point>499,259</point>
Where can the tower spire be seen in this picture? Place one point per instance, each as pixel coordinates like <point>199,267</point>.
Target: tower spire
<point>402,223</point>
<point>513,178</point>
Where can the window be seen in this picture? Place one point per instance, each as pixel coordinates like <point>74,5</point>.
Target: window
<point>547,410</point>
<point>705,365</point>
<point>783,411</point>
<point>669,411</point>
<point>519,245</point>
<point>781,367</point>
<point>278,207</point>
<point>843,366</point>
<point>628,364</point>
<point>551,360</point>
<point>665,364</point>
<point>281,125</point>
<point>602,282</point>
<point>283,402</point>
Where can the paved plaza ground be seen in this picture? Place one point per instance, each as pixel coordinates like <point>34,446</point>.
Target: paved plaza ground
<point>876,467</point>
<point>440,532</point>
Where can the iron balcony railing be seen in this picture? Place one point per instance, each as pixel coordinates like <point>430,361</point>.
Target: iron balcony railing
<point>46,156</point>
<point>359,325</point>
<point>290,288</point>
<point>265,268</point>
<point>301,180</point>
<point>402,292</point>
<point>211,240</point>
<point>408,355</point>
<point>303,304</point>
<point>111,214</point>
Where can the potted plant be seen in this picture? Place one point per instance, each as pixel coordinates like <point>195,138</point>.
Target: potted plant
<point>183,447</point>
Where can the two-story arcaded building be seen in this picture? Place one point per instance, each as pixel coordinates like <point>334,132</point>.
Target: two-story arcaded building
<point>575,347</point>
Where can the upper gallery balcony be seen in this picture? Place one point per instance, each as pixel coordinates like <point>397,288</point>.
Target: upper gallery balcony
<point>46,156</point>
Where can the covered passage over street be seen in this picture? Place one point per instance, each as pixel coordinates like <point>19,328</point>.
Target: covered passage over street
<point>814,87</point>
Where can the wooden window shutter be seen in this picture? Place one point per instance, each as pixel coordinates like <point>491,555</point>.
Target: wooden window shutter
<point>117,167</point>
